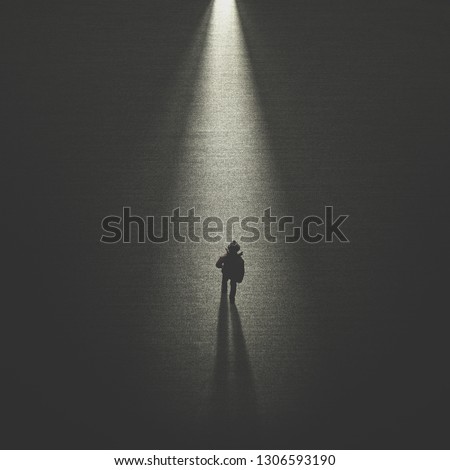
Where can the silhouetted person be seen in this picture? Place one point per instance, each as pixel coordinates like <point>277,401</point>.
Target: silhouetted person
<point>232,266</point>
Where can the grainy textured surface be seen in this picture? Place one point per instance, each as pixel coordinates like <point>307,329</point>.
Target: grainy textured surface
<point>228,108</point>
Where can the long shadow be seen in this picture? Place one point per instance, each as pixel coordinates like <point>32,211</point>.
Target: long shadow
<point>220,399</point>
<point>246,400</point>
<point>233,419</point>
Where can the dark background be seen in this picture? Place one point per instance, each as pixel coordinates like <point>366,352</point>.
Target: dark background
<point>94,357</point>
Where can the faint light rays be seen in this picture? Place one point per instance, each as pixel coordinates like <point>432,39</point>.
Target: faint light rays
<point>174,118</point>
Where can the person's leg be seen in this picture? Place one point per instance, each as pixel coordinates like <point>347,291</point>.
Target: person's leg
<point>233,291</point>
<point>224,284</point>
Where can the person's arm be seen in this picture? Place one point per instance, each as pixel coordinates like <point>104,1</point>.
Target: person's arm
<point>219,263</point>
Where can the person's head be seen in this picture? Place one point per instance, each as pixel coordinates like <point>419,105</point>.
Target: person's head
<point>233,247</point>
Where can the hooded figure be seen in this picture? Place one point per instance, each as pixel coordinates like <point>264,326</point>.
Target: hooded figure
<point>232,266</point>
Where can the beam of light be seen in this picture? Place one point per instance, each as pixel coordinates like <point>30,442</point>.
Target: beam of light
<point>225,167</point>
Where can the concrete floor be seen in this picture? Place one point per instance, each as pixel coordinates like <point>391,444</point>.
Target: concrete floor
<point>228,107</point>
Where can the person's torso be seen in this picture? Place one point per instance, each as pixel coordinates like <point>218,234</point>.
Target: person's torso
<point>232,265</point>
